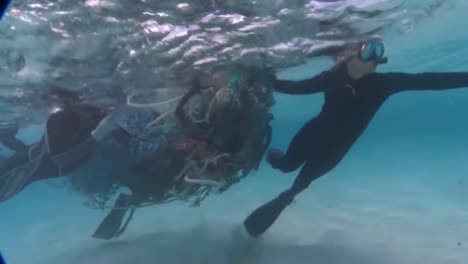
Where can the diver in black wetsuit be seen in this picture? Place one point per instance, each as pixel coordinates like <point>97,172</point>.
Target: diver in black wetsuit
<point>353,94</point>
<point>56,152</point>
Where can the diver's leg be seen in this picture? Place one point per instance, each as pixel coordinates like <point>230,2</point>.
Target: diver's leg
<point>298,150</point>
<point>264,217</point>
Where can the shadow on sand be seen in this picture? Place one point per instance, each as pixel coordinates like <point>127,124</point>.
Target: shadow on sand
<point>203,245</point>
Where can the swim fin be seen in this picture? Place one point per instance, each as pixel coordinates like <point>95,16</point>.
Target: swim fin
<point>263,217</point>
<point>8,138</point>
<point>16,179</point>
<point>110,226</point>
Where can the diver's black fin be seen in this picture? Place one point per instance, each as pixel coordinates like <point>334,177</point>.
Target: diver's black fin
<point>110,226</point>
<point>126,223</point>
<point>263,217</point>
<point>1,260</point>
<point>8,137</point>
<point>19,176</point>
<point>13,143</point>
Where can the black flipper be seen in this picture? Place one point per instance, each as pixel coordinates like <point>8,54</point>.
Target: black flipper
<point>13,143</point>
<point>264,216</point>
<point>126,223</point>
<point>17,179</point>
<point>19,171</point>
<point>8,137</point>
<point>1,259</point>
<point>110,226</point>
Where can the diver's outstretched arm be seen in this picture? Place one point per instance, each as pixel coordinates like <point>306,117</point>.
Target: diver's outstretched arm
<point>308,86</point>
<point>398,82</point>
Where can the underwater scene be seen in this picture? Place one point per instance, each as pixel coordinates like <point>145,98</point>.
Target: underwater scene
<point>234,132</point>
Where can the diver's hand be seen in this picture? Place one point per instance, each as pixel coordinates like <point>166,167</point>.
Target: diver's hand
<point>271,76</point>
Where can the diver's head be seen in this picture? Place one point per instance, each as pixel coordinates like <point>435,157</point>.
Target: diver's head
<point>363,58</point>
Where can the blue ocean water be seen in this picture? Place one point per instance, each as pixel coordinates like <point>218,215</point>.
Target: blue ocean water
<point>399,196</point>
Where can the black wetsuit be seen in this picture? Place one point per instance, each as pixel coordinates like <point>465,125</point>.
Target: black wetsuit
<point>65,130</point>
<point>349,107</point>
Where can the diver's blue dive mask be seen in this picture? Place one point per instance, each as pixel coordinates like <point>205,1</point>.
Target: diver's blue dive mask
<point>373,51</point>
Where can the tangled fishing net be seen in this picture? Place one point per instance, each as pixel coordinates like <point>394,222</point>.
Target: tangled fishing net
<point>194,142</point>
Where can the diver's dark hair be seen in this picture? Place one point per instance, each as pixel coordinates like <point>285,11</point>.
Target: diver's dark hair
<point>342,57</point>
<point>63,97</point>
